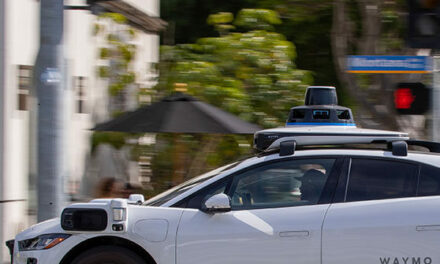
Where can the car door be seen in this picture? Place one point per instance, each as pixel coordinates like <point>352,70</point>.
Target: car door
<point>381,220</point>
<point>277,214</point>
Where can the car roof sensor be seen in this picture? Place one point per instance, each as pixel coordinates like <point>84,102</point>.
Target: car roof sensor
<point>322,122</point>
<point>320,109</point>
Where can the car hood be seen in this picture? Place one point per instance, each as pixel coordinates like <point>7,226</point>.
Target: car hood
<point>47,227</point>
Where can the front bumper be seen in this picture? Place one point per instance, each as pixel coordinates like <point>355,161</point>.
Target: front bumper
<point>47,256</point>
<point>35,257</point>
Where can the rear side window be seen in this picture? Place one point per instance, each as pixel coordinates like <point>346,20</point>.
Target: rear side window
<point>371,179</point>
<point>429,183</point>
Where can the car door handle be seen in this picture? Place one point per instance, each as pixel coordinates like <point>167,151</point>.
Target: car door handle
<point>428,228</point>
<point>294,234</point>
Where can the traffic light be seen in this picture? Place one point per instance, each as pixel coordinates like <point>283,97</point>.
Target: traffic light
<point>424,24</point>
<point>411,98</point>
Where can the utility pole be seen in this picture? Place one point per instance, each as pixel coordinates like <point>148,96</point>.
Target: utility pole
<point>50,90</point>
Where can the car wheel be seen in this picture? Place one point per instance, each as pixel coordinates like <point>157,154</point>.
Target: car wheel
<point>108,255</point>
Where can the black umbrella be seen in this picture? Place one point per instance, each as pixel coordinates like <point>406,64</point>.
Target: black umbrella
<point>179,113</point>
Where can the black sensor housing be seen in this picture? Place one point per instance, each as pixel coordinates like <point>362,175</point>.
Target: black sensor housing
<point>84,219</point>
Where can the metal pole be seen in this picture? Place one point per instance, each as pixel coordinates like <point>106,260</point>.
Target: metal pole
<point>436,98</point>
<point>50,89</point>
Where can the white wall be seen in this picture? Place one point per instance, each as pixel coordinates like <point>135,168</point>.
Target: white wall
<point>17,157</point>
<point>80,54</point>
<point>2,76</point>
<point>21,42</point>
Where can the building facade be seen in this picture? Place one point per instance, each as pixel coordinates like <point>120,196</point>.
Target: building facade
<point>87,99</point>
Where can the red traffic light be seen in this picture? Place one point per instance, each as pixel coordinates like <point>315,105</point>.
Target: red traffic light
<point>411,98</point>
<point>403,98</point>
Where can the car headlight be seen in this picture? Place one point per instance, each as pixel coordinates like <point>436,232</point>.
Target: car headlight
<point>42,242</point>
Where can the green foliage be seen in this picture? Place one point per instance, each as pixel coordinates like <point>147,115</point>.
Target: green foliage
<point>117,113</point>
<point>308,24</point>
<point>126,51</point>
<point>221,22</point>
<point>104,53</point>
<point>103,71</point>
<point>174,149</point>
<point>298,11</point>
<point>112,38</point>
<point>187,18</point>
<point>162,165</point>
<point>354,12</point>
<point>96,29</point>
<point>116,17</point>
<point>305,23</point>
<point>263,19</point>
<point>220,18</point>
<point>132,32</point>
<point>127,78</point>
<point>250,81</point>
<point>119,53</point>
<point>393,27</point>
<point>115,88</point>
<point>250,74</point>
<point>228,150</point>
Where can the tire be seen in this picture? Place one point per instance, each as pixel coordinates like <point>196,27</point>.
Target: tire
<point>108,255</point>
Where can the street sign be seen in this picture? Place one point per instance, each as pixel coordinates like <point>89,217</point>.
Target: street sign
<point>50,75</point>
<point>389,64</point>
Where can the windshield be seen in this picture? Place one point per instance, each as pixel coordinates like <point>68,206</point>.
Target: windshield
<point>164,197</point>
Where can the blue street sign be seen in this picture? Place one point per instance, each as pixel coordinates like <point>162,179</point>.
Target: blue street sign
<point>389,64</point>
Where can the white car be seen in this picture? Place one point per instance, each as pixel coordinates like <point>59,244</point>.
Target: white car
<point>294,203</point>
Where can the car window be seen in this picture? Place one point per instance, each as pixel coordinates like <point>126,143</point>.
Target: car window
<point>196,201</point>
<point>429,182</point>
<point>179,189</point>
<point>281,184</point>
<point>371,179</point>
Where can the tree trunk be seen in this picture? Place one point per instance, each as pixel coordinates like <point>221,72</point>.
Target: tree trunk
<point>373,107</point>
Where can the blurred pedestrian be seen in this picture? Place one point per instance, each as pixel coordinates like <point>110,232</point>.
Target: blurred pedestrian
<point>109,188</point>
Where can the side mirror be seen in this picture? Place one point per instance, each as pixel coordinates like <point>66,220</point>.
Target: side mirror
<point>218,203</point>
<point>136,199</point>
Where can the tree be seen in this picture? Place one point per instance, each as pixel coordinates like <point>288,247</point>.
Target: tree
<point>187,18</point>
<point>307,24</point>
<point>248,70</point>
<point>327,31</point>
<point>372,27</point>
<point>250,73</point>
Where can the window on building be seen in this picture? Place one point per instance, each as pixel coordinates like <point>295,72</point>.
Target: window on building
<point>24,86</point>
<point>79,83</point>
<point>371,179</point>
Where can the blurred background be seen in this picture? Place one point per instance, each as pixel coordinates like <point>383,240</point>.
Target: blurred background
<point>251,58</point>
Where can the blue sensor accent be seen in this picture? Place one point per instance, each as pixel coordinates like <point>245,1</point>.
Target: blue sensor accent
<point>319,124</point>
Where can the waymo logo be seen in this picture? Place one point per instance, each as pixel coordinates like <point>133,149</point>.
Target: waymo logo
<point>406,260</point>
